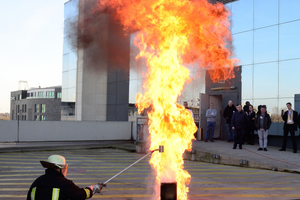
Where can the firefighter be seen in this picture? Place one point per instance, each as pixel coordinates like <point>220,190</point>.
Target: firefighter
<point>54,185</point>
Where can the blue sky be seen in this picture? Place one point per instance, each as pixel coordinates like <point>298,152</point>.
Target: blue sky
<point>31,44</point>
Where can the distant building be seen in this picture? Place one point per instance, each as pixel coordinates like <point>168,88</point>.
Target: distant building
<point>36,104</point>
<point>4,116</point>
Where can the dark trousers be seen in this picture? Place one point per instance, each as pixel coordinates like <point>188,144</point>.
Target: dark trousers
<point>289,128</point>
<point>251,137</point>
<point>238,136</point>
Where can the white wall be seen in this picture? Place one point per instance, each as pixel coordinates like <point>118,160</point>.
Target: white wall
<point>8,131</point>
<point>30,131</point>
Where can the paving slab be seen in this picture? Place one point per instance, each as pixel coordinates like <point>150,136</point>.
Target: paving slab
<point>63,145</point>
<point>221,152</point>
<point>218,152</point>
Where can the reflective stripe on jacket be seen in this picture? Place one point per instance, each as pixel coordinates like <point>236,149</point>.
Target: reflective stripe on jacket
<point>54,186</point>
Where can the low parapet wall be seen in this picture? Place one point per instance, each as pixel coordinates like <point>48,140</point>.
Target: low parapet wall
<point>30,131</point>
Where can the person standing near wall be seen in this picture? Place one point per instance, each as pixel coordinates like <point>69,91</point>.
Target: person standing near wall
<point>238,122</point>
<point>185,104</point>
<point>290,118</point>
<point>263,123</point>
<point>251,125</point>
<point>246,107</point>
<point>211,115</point>
<point>228,112</point>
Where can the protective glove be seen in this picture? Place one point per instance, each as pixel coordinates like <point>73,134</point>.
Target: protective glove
<point>97,188</point>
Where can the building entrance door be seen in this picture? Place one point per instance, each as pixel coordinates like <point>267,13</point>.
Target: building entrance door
<point>204,104</point>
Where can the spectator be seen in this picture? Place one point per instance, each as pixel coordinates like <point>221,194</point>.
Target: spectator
<point>263,123</point>
<point>258,108</point>
<point>185,104</point>
<point>299,121</point>
<point>211,115</point>
<point>246,107</point>
<point>251,125</point>
<point>228,112</point>
<point>238,122</point>
<point>290,118</point>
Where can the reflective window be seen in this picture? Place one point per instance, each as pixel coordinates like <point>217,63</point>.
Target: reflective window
<point>65,79</point>
<point>72,61</point>
<point>72,79</point>
<point>265,13</point>
<point>58,95</point>
<point>65,62</point>
<point>266,44</point>
<point>37,108</point>
<point>272,109</point>
<point>289,40</point>
<point>64,95</point>
<point>283,102</point>
<point>37,118</point>
<point>67,10</point>
<point>242,16</point>
<point>247,79</point>
<point>50,94</point>
<point>133,90</point>
<point>71,95</point>
<point>266,80</point>
<point>289,81</point>
<point>66,45</point>
<point>282,105</point>
<point>74,8</point>
<point>272,105</point>
<point>43,108</point>
<point>41,94</point>
<point>43,118</point>
<point>243,47</point>
<point>289,10</point>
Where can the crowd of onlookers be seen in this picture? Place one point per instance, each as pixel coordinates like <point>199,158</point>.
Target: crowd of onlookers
<point>242,122</point>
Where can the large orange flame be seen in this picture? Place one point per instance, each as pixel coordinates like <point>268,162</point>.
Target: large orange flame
<point>174,33</point>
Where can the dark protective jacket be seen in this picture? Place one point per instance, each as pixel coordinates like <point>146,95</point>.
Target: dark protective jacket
<point>228,112</point>
<point>54,186</point>
<point>251,122</point>
<point>299,120</point>
<point>295,119</point>
<point>267,122</point>
<point>239,120</point>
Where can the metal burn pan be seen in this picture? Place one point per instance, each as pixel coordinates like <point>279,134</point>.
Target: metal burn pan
<point>168,191</point>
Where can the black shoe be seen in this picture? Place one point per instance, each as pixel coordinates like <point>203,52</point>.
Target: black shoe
<point>234,147</point>
<point>212,140</point>
<point>240,147</point>
<point>265,149</point>
<point>259,149</point>
<point>205,140</point>
<point>228,140</point>
<point>295,151</point>
<point>281,149</point>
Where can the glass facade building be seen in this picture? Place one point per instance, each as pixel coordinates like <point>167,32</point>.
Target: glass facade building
<point>69,67</point>
<point>266,40</point>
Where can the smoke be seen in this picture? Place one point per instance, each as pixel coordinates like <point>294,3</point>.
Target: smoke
<point>99,36</point>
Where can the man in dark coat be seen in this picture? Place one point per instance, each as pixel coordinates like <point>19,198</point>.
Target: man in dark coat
<point>239,121</point>
<point>54,186</point>
<point>290,118</point>
<point>246,107</point>
<point>228,112</point>
<point>251,125</point>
